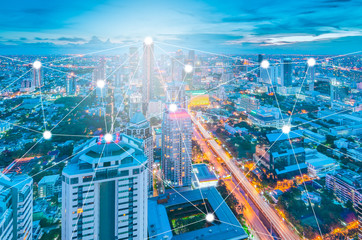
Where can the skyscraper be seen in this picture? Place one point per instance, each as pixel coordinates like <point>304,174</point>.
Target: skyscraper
<point>140,128</point>
<point>311,77</point>
<point>16,207</point>
<point>71,86</point>
<point>135,103</point>
<point>287,71</point>
<point>176,147</point>
<point>99,73</point>
<point>269,75</point>
<point>133,62</point>
<point>147,83</point>
<point>176,93</point>
<point>37,77</point>
<point>104,191</point>
<point>177,70</point>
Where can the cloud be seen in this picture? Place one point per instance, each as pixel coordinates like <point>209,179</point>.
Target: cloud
<point>291,39</point>
<point>73,40</point>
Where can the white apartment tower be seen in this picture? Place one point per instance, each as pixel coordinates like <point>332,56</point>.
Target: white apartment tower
<point>176,147</point>
<point>16,207</point>
<point>104,191</point>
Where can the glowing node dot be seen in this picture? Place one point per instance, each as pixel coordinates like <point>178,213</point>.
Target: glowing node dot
<point>311,62</point>
<point>173,107</point>
<point>47,135</point>
<point>286,129</point>
<point>188,68</point>
<point>210,217</point>
<point>101,83</point>
<point>148,41</point>
<point>108,137</point>
<point>37,64</point>
<point>265,64</point>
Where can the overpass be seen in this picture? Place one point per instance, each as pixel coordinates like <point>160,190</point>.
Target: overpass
<point>275,220</point>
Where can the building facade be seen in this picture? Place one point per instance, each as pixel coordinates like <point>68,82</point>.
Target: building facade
<point>346,185</point>
<point>104,191</point>
<point>140,128</point>
<point>176,147</point>
<point>16,207</point>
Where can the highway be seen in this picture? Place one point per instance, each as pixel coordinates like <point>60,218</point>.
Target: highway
<point>277,222</point>
<point>257,227</point>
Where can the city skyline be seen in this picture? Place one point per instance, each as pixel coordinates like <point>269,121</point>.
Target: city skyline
<point>181,120</point>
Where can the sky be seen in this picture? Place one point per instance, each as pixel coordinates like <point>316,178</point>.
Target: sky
<point>228,26</point>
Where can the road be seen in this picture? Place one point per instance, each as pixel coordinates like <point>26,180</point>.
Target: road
<point>277,222</point>
<point>257,227</point>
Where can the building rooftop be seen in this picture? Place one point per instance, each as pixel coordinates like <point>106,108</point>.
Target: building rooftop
<point>49,179</point>
<point>138,118</point>
<point>291,168</point>
<point>348,176</point>
<point>272,137</point>
<point>203,174</point>
<point>315,158</point>
<point>225,226</point>
<point>125,150</point>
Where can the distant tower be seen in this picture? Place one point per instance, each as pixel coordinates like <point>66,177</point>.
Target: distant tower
<point>135,103</point>
<point>176,94</point>
<point>269,75</point>
<point>260,59</point>
<point>27,85</point>
<point>140,128</point>
<point>71,85</point>
<point>311,77</point>
<point>147,84</point>
<point>176,147</point>
<point>133,62</point>
<point>191,56</point>
<point>287,71</point>
<point>118,79</point>
<point>99,73</point>
<point>104,191</point>
<point>37,77</point>
<point>178,66</point>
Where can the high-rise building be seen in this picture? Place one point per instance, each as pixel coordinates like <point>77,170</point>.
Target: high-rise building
<point>177,66</point>
<point>337,90</point>
<point>104,191</point>
<point>346,185</point>
<point>37,77</point>
<point>27,85</point>
<point>147,83</point>
<point>176,147</point>
<point>99,73</point>
<point>140,128</point>
<point>135,103</point>
<point>248,103</point>
<point>310,77</point>
<point>260,59</point>
<point>16,207</point>
<point>71,86</point>
<point>133,62</point>
<point>191,56</point>
<point>270,75</point>
<point>176,93</point>
<point>287,72</point>
<point>283,160</point>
